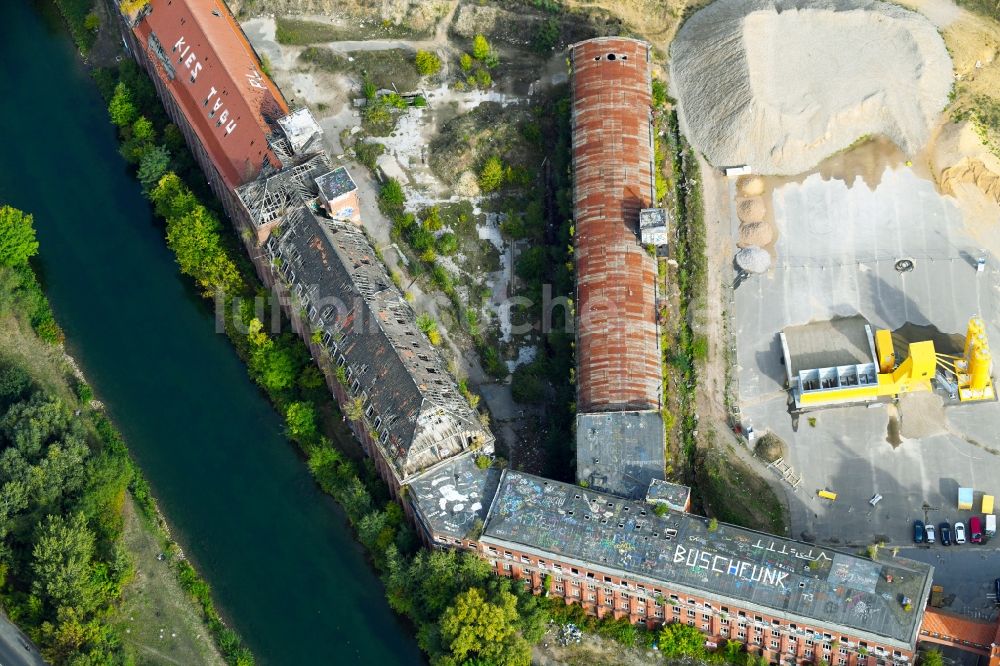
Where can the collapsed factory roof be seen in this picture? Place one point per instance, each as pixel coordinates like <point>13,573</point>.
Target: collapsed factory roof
<point>452,497</point>
<point>410,399</point>
<point>620,452</point>
<point>618,359</point>
<point>213,74</point>
<point>301,130</point>
<point>270,197</point>
<point>781,577</point>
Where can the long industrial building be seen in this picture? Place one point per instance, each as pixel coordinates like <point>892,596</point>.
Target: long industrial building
<point>620,439</point>
<point>606,546</point>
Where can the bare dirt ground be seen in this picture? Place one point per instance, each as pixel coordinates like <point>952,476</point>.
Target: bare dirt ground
<point>590,650</point>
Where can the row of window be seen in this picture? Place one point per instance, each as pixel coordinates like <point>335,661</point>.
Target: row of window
<point>743,619</point>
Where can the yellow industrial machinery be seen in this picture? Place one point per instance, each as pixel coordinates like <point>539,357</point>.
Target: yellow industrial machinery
<point>967,375</point>
<point>972,369</point>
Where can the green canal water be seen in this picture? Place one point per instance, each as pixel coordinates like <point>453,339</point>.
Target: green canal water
<point>279,555</point>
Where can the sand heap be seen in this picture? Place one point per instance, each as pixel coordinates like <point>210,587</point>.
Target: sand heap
<point>750,209</point>
<point>960,159</point>
<point>781,85</point>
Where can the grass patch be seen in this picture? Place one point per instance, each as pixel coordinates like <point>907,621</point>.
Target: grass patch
<point>155,601</point>
<point>390,69</point>
<point>296,32</point>
<point>466,141</point>
<point>735,493</point>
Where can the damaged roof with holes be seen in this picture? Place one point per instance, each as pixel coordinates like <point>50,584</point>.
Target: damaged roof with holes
<point>205,62</point>
<point>826,589</point>
<point>450,499</point>
<point>411,401</point>
<point>617,355</point>
<point>620,452</point>
<point>268,198</point>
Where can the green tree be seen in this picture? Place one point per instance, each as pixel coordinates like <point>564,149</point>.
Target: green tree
<point>426,323</point>
<point>681,640</point>
<point>483,79</point>
<point>17,237</point>
<point>659,93</point>
<point>143,130</point>
<point>121,108</point>
<point>480,47</point>
<point>91,22</point>
<point>153,165</point>
<point>301,420</point>
<point>61,560</point>
<point>195,240</point>
<point>465,62</point>
<point>491,175</point>
<point>276,367</point>
<point>447,243</point>
<point>547,35</point>
<point>931,658</point>
<point>391,198</point>
<point>428,63</point>
<point>431,217</point>
<point>171,197</point>
<point>355,409</point>
<point>476,628</point>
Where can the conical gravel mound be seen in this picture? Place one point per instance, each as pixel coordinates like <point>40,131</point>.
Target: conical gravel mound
<point>780,85</point>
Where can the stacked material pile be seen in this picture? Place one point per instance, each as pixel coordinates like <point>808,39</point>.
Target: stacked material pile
<point>780,85</point>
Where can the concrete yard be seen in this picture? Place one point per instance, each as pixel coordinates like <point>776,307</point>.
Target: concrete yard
<point>835,257</point>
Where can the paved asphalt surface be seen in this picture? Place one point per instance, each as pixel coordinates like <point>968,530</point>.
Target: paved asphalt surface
<point>12,650</point>
<point>835,257</point>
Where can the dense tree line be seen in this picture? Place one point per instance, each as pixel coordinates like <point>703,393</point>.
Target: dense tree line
<point>62,563</point>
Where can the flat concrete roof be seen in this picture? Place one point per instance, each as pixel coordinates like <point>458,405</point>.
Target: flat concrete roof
<point>674,495</point>
<point>800,581</point>
<point>827,344</point>
<point>620,452</point>
<point>451,497</point>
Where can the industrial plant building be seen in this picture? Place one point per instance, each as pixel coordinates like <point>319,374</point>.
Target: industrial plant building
<point>620,439</point>
<point>624,545</point>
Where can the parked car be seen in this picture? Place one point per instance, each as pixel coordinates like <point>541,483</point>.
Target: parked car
<point>929,533</point>
<point>918,531</point>
<point>945,530</point>
<point>975,530</point>
<point>959,533</point>
<point>996,589</point>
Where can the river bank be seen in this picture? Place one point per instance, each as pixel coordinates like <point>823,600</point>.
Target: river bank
<point>214,451</point>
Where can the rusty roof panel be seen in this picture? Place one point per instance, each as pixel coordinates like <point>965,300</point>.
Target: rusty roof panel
<point>206,63</point>
<point>618,355</point>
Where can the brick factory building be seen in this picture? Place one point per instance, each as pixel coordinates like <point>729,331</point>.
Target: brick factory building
<point>619,429</point>
<point>790,601</point>
<point>617,346</point>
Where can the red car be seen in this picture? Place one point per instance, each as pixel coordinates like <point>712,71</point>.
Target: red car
<point>975,530</point>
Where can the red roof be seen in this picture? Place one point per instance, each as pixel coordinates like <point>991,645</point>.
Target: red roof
<point>617,352</point>
<point>205,61</point>
<point>938,623</point>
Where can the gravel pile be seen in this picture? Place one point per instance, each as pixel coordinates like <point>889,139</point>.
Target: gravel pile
<point>780,85</point>
<point>750,209</point>
<point>755,233</point>
<point>753,259</point>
